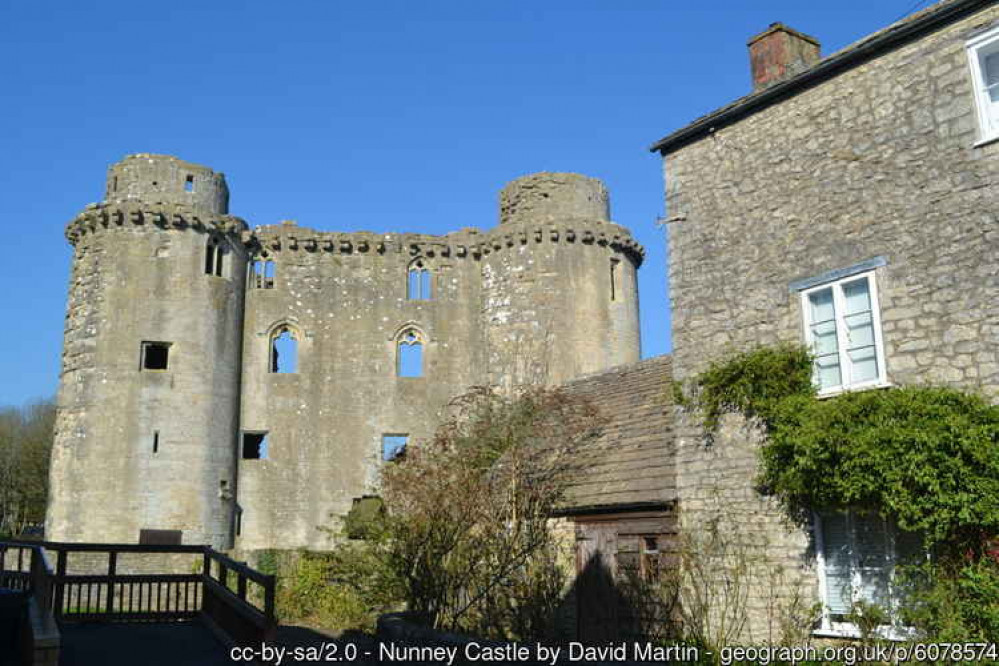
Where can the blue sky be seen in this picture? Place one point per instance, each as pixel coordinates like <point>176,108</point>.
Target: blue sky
<point>382,116</point>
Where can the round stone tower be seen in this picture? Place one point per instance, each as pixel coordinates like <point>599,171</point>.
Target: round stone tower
<point>559,282</point>
<point>145,446</point>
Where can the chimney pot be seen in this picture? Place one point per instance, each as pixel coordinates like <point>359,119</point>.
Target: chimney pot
<point>778,53</point>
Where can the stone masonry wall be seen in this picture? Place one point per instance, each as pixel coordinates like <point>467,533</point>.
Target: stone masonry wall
<point>879,161</point>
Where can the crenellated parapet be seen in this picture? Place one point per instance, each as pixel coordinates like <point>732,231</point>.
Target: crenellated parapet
<point>467,243</point>
<point>102,216</point>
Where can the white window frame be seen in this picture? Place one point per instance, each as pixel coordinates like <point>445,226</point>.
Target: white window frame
<point>838,629</point>
<point>985,43</point>
<point>846,383</point>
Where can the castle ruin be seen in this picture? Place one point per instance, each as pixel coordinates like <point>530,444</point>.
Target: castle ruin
<point>240,387</point>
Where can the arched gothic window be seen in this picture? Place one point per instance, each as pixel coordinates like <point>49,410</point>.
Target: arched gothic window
<point>284,350</point>
<point>418,283</point>
<point>409,360</point>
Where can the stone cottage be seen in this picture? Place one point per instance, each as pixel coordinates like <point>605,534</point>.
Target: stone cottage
<point>849,203</point>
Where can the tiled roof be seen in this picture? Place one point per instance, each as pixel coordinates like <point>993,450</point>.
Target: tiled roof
<point>632,458</point>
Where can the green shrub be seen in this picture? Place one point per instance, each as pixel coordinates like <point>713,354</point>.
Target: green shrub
<point>955,601</point>
<point>308,592</point>
<point>928,457</point>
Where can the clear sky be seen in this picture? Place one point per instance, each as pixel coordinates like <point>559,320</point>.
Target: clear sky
<point>344,115</point>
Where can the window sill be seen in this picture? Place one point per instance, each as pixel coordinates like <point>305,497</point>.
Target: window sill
<point>850,631</point>
<point>984,141</point>
<point>832,393</point>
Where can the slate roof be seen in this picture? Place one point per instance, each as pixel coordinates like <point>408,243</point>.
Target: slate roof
<point>901,32</point>
<point>632,465</point>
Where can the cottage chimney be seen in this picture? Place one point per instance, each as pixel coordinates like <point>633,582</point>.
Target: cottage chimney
<point>778,53</point>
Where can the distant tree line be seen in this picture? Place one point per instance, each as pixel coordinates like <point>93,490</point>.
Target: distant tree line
<point>26,435</point>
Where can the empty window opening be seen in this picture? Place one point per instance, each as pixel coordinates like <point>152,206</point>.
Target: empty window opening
<point>410,361</point>
<point>156,441</point>
<point>262,274</point>
<point>255,446</point>
<point>114,184</point>
<point>239,520</point>
<point>418,286</point>
<point>284,351</point>
<point>155,355</point>
<point>189,184</point>
<point>214,253</point>
<point>210,257</point>
<point>394,447</point>
<point>649,563</point>
<point>615,278</point>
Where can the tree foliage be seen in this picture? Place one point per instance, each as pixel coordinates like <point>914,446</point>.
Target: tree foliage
<point>464,540</point>
<point>25,445</point>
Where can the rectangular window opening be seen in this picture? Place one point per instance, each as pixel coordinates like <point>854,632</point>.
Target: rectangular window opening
<point>255,446</point>
<point>262,274</point>
<point>189,184</point>
<point>155,355</point>
<point>394,446</point>
<point>156,441</point>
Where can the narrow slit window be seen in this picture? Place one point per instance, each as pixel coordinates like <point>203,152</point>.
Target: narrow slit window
<point>615,278</point>
<point>189,184</point>
<point>210,256</point>
<point>284,351</point>
<point>410,361</point>
<point>394,447</point>
<point>156,441</point>
<point>219,254</point>
<point>255,446</point>
<point>155,355</point>
<point>418,284</point>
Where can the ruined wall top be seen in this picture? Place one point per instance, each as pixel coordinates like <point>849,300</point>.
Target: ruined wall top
<point>166,179</point>
<point>545,197</point>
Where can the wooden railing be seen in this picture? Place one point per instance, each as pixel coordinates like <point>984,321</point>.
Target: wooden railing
<point>237,599</point>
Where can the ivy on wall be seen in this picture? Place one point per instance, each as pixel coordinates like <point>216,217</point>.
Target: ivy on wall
<point>928,457</point>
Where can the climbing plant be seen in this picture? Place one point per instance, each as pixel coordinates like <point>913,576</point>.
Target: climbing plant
<point>927,457</point>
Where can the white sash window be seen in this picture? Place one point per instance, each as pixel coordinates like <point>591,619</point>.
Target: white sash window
<point>843,330</point>
<point>983,56</point>
<point>857,555</point>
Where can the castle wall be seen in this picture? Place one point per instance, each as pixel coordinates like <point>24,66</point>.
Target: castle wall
<point>136,448</point>
<point>346,295</point>
<point>877,162</point>
<point>326,421</point>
